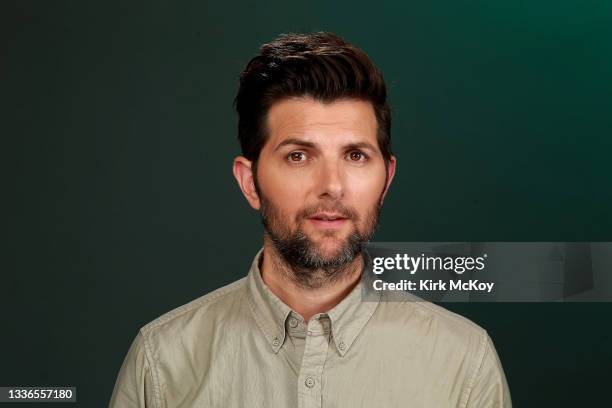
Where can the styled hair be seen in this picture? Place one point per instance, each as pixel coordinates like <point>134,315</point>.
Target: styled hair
<point>320,65</point>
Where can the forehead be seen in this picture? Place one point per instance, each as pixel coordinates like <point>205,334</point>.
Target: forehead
<point>340,121</point>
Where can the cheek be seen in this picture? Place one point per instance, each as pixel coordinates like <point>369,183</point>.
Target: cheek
<point>365,189</point>
<point>284,190</point>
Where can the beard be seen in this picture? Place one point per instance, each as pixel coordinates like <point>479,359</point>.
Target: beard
<point>304,263</point>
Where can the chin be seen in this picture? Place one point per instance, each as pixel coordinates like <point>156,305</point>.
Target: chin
<point>331,248</point>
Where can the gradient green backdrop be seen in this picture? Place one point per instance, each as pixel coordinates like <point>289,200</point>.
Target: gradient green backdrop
<point>117,137</point>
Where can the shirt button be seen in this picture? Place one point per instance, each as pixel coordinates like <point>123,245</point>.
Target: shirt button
<point>276,342</point>
<point>293,322</point>
<point>342,345</point>
<point>310,382</point>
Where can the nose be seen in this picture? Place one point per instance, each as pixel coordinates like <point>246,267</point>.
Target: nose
<point>331,180</point>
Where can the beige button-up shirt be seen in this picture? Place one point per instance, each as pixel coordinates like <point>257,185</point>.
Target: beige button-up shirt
<point>241,346</point>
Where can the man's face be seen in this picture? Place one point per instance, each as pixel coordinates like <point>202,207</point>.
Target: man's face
<point>321,179</point>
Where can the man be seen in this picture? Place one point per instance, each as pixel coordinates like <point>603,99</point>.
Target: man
<point>314,127</point>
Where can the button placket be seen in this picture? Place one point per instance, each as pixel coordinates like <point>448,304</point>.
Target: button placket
<point>311,371</point>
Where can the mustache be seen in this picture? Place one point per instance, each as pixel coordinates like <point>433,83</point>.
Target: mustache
<point>344,211</point>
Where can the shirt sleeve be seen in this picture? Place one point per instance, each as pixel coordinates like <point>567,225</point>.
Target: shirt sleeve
<point>490,388</point>
<point>134,386</point>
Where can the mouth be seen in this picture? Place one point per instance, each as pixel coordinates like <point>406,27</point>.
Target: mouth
<point>328,220</point>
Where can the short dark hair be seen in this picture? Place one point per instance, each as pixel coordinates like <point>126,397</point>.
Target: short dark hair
<point>320,65</point>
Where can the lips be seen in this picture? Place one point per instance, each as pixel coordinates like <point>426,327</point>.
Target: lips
<point>328,221</point>
<point>327,216</point>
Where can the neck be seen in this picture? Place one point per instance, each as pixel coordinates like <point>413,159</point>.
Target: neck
<point>307,301</point>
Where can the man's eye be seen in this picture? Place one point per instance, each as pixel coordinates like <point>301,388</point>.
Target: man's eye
<point>296,157</point>
<point>357,156</point>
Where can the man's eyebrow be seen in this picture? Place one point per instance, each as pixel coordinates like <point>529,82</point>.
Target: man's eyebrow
<point>295,141</point>
<point>361,145</point>
<point>305,143</point>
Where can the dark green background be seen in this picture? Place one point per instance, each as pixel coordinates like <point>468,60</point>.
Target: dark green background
<point>117,137</point>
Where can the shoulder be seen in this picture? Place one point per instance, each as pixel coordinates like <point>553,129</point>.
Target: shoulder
<point>427,320</point>
<point>219,305</point>
<point>176,342</point>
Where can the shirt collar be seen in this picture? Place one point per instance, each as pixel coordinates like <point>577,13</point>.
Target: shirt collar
<point>347,318</point>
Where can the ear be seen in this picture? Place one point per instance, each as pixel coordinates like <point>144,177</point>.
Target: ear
<point>390,174</point>
<point>243,172</point>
